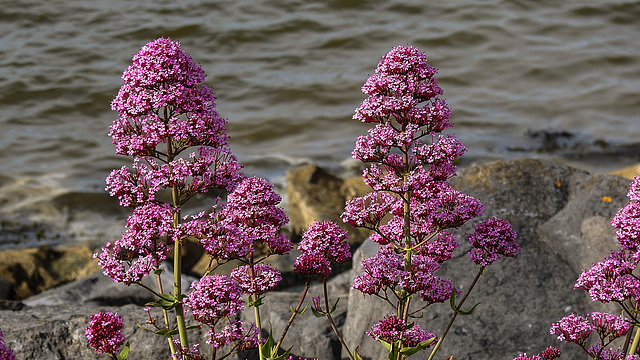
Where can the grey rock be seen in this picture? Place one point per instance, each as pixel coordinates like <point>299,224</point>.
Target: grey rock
<point>561,214</point>
<point>561,218</point>
<point>100,289</point>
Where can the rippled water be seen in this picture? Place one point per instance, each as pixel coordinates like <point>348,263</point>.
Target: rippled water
<point>524,78</point>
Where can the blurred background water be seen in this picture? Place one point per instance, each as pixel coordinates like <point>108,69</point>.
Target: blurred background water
<point>537,78</point>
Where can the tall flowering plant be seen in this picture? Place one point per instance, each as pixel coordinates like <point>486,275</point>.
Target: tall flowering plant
<point>613,280</point>
<point>169,126</point>
<point>412,205</point>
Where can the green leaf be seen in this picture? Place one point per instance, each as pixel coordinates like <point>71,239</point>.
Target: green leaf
<point>408,351</point>
<point>299,312</point>
<point>386,345</point>
<point>452,298</point>
<point>257,302</point>
<point>317,313</point>
<point>124,354</point>
<point>267,347</point>
<point>356,354</point>
<point>165,332</point>
<point>158,271</point>
<point>470,310</point>
<point>166,301</point>
<point>333,308</point>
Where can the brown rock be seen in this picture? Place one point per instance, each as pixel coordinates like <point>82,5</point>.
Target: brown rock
<point>34,270</point>
<point>316,195</point>
<point>628,172</point>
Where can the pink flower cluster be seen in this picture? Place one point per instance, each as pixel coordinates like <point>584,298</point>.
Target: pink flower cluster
<point>627,220</point>
<point>548,353</point>
<point>235,333</point>
<point>214,297</point>
<point>162,100</point>
<point>104,332</point>
<point>252,208</point>
<point>164,110</point>
<point>323,244</point>
<point>576,329</point>
<point>610,280</point>
<point>260,280</point>
<point>492,240</point>
<point>385,271</point>
<point>185,353</point>
<point>392,329</point>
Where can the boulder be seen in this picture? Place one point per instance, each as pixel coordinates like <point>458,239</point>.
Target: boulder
<point>51,325</point>
<point>316,195</point>
<point>33,270</point>
<point>629,172</point>
<point>561,215</point>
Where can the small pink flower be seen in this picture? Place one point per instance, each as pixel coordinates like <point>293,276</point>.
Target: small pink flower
<point>104,332</point>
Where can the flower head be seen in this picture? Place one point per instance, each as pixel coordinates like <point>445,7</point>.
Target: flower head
<point>527,357</point>
<point>611,279</point>
<point>492,239</point>
<point>403,88</point>
<point>392,329</point>
<point>262,279</point>
<point>572,328</point>
<point>252,207</point>
<point>550,353</point>
<point>609,326</point>
<point>312,264</point>
<point>143,246</point>
<point>382,271</point>
<point>185,353</point>
<point>328,239</point>
<point>235,333</point>
<point>214,297</point>
<point>104,332</point>
<point>162,98</point>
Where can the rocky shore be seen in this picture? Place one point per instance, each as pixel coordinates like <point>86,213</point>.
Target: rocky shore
<point>561,214</point>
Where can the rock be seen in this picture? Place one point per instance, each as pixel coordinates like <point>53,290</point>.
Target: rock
<point>51,325</point>
<point>34,270</point>
<point>629,172</point>
<point>316,195</point>
<point>57,332</point>
<point>560,214</point>
<point>101,290</point>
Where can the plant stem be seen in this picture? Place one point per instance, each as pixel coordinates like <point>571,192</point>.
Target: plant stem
<point>256,312</point>
<point>177,256</point>
<point>332,323</point>
<point>455,313</point>
<point>295,312</point>
<point>172,346</point>
<point>405,300</point>
<point>636,341</point>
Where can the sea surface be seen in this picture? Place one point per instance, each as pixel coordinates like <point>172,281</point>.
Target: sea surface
<point>524,78</point>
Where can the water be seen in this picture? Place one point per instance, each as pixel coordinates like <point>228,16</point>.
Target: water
<point>547,79</point>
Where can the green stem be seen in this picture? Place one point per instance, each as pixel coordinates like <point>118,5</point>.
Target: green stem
<point>172,346</point>
<point>455,313</point>
<point>177,288</point>
<point>295,312</point>
<point>177,256</point>
<point>256,313</point>
<point>405,300</point>
<point>636,341</point>
<point>332,323</point>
